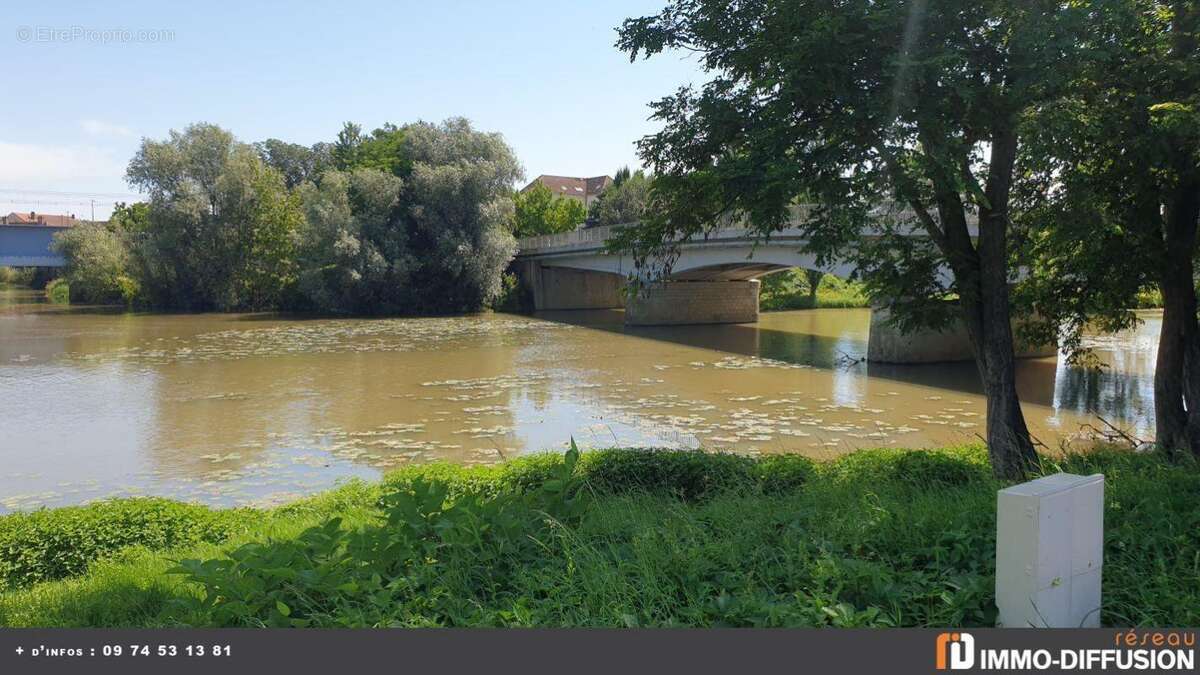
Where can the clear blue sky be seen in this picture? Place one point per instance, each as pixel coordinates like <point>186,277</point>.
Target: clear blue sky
<point>545,74</point>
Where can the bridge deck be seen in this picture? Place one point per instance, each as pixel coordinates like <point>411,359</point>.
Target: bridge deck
<point>29,246</point>
<point>592,239</point>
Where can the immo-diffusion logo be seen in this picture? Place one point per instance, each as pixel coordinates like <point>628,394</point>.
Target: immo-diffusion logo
<point>959,647</point>
<point>1155,650</point>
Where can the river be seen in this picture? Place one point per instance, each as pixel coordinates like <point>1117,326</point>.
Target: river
<point>259,409</point>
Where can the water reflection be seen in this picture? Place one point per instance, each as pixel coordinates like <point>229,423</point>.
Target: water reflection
<point>232,409</point>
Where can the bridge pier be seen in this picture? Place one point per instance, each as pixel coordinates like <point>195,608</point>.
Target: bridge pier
<point>693,302</point>
<point>555,288</point>
<point>887,344</point>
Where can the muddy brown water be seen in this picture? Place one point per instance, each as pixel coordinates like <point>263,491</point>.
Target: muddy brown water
<point>257,409</point>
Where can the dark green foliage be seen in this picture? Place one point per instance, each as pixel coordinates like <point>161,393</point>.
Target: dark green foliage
<point>795,289</point>
<point>688,475</point>
<point>922,468</point>
<point>393,572</point>
<point>54,544</point>
<point>537,210</point>
<point>514,296</point>
<point>624,201</point>
<point>780,474</point>
<point>296,163</point>
<point>635,538</point>
<point>58,291</point>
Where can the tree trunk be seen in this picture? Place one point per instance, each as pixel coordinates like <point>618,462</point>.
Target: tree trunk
<point>814,282</point>
<point>984,299</point>
<point>1177,369</point>
<point>989,327</point>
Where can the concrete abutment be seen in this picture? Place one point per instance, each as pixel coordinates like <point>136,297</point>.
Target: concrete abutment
<point>675,303</point>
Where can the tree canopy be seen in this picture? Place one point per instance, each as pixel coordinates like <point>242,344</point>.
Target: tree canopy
<point>416,220</point>
<point>1111,195</point>
<point>222,223</point>
<point>860,103</point>
<point>624,201</point>
<point>540,211</point>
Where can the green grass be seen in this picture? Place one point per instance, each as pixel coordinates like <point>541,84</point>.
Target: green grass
<point>631,538</point>
<point>789,290</point>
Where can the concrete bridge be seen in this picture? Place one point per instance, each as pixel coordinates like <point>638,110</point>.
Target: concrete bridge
<point>29,246</point>
<point>714,280</point>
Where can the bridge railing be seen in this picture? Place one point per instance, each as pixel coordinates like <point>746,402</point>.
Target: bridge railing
<point>590,238</point>
<point>585,236</point>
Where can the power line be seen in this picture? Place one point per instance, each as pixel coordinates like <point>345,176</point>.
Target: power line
<point>49,202</point>
<point>65,193</point>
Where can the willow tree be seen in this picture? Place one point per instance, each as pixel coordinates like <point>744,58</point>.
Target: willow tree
<point>855,103</point>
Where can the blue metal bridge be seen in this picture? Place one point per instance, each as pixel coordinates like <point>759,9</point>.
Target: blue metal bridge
<point>29,246</point>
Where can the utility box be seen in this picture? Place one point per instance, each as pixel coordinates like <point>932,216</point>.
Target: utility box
<point>1050,552</point>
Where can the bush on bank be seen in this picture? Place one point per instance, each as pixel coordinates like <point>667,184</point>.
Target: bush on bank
<point>58,291</point>
<point>57,543</point>
<point>627,538</point>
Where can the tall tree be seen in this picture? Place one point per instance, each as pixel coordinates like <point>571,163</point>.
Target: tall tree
<point>221,223</point>
<point>1112,194</point>
<point>420,223</point>
<point>624,201</point>
<point>539,211</point>
<point>857,102</point>
<point>297,163</point>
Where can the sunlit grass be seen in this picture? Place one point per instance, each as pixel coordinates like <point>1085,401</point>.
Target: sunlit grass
<point>875,538</point>
<point>789,290</point>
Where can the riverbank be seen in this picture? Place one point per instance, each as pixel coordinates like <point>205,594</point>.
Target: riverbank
<point>624,538</point>
<point>792,289</point>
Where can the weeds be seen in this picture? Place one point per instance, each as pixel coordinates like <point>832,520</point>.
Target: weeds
<point>630,538</point>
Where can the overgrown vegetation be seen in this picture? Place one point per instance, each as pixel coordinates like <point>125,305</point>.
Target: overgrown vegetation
<point>58,291</point>
<point>13,276</point>
<point>409,219</point>
<point>623,203</point>
<point>54,544</point>
<point>635,538</point>
<point>31,277</point>
<point>807,289</point>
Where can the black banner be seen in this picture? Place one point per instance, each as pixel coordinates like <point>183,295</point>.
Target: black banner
<point>595,651</point>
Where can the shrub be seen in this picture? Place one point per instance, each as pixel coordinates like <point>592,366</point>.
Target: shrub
<point>397,572</point>
<point>689,474</point>
<point>54,544</point>
<point>779,474</point>
<point>873,538</point>
<point>58,291</point>
<point>98,262</point>
<point>513,296</point>
<point>923,468</point>
<point>794,289</point>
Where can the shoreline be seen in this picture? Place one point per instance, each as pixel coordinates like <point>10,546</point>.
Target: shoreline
<point>874,538</point>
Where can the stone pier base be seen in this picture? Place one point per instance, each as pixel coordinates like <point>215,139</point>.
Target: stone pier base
<point>694,302</point>
<point>555,288</point>
<point>887,344</point>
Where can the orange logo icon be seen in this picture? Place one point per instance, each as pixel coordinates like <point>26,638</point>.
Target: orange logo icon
<point>955,651</point>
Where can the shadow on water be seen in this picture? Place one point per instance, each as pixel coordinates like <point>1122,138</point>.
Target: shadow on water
<point>1118,394</point>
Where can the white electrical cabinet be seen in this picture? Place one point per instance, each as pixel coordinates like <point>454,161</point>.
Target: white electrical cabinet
<point>1050,551</point>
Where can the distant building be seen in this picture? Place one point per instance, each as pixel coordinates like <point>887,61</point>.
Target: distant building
<point>33,218</point>
<point>583,190</point>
